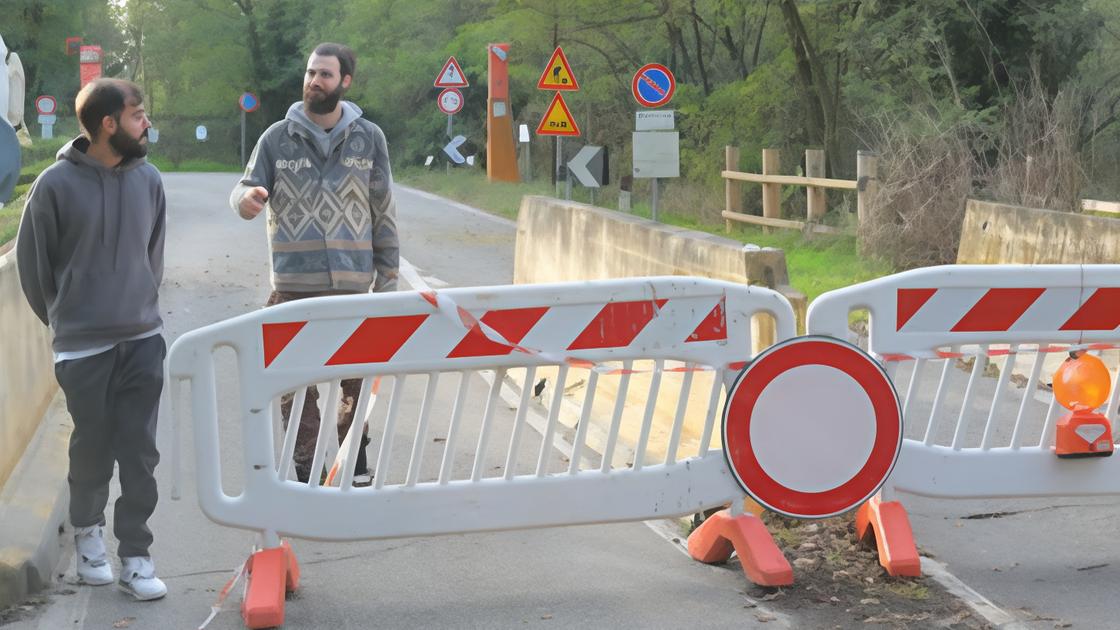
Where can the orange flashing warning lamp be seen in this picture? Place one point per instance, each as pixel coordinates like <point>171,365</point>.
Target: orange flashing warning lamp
<point>1081,384</point>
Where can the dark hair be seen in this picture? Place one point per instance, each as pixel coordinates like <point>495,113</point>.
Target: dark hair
<point>345,56</point>
<point>105,97</point>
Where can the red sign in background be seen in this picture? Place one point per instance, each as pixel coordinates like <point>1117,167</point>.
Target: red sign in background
<point>89,63</point>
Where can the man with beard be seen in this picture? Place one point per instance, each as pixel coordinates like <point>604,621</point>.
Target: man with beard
<point>323,173</point>
<point>90,258</point>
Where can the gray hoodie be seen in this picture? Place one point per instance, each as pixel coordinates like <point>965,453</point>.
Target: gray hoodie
<point>90,249</point>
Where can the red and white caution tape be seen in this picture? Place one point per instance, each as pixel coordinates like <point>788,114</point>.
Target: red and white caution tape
<point>998,352</point>
<point>447,308</point>
<point>238,573</point>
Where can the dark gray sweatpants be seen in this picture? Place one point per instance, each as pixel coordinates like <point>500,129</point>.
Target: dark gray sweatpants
<point>113,398</point>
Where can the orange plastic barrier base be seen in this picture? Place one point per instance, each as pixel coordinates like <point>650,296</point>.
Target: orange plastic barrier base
<point>890,526</point>
<point>719,535</point>
<point>272,574</point>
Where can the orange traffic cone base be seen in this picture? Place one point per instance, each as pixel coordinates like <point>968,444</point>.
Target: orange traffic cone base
<point>746,535</point>
<point>1083,434</point>
<point>890,527</point>
<point>273,573</point>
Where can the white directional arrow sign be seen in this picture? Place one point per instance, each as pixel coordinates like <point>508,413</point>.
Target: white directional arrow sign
<point>589,166</point>
<point>452,149</point>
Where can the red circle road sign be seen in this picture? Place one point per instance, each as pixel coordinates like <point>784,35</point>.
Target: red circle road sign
<point>248,102</point>
<point>812,427</point>
<point>450,101</point>
<point>45,105</point>
<point>653,85</point>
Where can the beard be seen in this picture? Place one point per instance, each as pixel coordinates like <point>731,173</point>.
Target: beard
<point>127,146</point>
<point>319,102</point>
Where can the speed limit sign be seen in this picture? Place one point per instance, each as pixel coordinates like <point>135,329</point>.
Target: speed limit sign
<point>450,101</point>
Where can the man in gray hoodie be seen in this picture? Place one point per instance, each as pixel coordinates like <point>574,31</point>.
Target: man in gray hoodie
<point>323,173</point>
<point>90,259</point>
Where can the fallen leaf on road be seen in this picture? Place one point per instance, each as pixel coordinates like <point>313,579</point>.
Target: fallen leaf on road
<point>869,601</point>
<point>124,622</point>
<point>546,616</point>
<point>764,617</point>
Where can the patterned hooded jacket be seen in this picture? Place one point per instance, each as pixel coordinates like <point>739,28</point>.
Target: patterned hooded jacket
<point>331,215</point>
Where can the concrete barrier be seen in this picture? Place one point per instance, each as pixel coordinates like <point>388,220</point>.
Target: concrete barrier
<point>27,381</point>
<point>34,432</point>
<point>994,233</point>
<point>561,240</point>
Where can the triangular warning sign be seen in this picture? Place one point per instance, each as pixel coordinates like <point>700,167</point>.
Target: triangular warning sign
<point>558,74</point>
<point>451,76</point>
<point>558,120</point>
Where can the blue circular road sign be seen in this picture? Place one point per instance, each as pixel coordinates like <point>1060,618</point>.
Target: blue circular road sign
<point>653,85</point>
<point>249,102</point>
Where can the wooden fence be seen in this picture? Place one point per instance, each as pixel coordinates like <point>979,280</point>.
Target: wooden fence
<point>865,186</point>
<point>1111,207</point>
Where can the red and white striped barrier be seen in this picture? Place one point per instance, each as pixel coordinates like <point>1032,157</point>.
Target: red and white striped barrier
<point>429,480</point>
<point>979,436</point>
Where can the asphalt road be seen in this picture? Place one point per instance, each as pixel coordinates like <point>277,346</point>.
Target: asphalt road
<point>621,575</point>
<point>1051,562</point>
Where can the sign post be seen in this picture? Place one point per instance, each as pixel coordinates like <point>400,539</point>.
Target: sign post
<point>558,121</point>
<point>653,86</point>
<point>248,103</point>
<point>450,100</point>
<point>46,106</point>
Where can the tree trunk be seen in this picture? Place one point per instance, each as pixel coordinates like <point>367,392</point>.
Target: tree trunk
<point>821,101</point>
<point>699,49</point>
<point>676,41</point>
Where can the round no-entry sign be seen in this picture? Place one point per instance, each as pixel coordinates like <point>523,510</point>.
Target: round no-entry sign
<point>653,85</point>
<point>249,102</point>
<point>45,105</point>
<point>450,101</point>
<point>812,427</point>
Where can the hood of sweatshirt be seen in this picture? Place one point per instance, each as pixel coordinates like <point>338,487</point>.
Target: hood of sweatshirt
<point>324,141</point>
<point>75,152</point>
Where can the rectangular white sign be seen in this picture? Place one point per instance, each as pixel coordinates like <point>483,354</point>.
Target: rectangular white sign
<point>654,120</point>
<point>657,154</point>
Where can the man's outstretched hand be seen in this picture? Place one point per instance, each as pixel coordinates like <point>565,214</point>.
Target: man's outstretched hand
<point>252,202</point>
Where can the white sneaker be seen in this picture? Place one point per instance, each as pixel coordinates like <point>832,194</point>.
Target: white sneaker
<point>363,479</point>
<point>93,566</point>
<point>138,578</point>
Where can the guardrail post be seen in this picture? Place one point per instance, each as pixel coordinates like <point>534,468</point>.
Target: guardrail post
<point>867,171</point>
<point>732,189</point>
<point>771,193</point>
<point>867,186</point>
<point>815,196</point>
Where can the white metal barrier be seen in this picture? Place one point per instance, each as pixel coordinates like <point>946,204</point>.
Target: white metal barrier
<point>1013,323</point>
<point>598,330</point>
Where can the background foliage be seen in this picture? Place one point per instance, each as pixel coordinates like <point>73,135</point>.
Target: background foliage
<point>978,85</point>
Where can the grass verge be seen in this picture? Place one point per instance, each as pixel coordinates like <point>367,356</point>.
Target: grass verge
<point>816,264</point>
